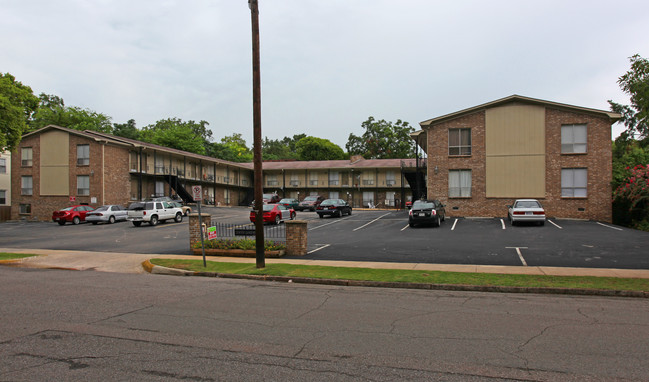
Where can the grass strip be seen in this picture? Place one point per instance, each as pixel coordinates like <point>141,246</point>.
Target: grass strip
<point>412,276</point>
<point>13,256</point>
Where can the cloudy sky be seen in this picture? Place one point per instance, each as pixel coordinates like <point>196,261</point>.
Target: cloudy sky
<point>326,65</point>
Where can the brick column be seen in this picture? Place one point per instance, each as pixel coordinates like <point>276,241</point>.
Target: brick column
<point>194,228</point>
<point>296,237</point>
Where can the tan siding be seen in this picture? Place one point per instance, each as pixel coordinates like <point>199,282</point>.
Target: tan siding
<point>515,151</point>
<point>55,162</point>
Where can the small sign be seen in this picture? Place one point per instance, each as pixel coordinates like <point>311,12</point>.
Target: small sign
<point>197,193</point>
<point>73,198</point>
<point>211,233</point>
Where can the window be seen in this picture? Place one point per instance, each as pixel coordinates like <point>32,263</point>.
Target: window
<point>3,166</point>
<point>271,180</point>
<point>574,182</point>
<point>313,179</point>
<point>134,162</point>
<point>389,178</point>
<point>334,195</point>
<point>295,181</point>
<point>26,185</point>
<point>160,165</point>
<point>459,183</point>
<point>159,188</point>
<point>368,178</point>
<point>573,139</point>
<point>3,197</point>
<point>368,199</point>
<point>389,198</point>
<point>334,179</point>
<point>26,157</point>
<point>83,185</point>
<point>83,155</point>
<point>25,209</point>
<point>459,141</point>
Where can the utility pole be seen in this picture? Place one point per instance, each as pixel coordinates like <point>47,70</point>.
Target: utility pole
<point>256,116</point>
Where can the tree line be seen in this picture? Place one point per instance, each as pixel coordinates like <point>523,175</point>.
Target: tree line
<point>22,112</point>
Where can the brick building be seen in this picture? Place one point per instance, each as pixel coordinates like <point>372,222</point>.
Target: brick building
<point>55,167</point>
<point>482,158</point>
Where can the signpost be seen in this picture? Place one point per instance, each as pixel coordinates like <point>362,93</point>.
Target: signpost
<point>197,194</point>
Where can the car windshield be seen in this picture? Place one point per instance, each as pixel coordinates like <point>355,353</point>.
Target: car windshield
<point>67,209</point>
<point>268,196</point>
<point>268,207</point>
<point>422,205</point>
<point>102,208</point>
<point>140,206</point>
<point>329,202</point>
<point>527,204</point>
<point>310,198</point>
<point>286,201</point>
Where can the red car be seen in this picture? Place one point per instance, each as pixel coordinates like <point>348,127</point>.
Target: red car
<point>274,213</point>
<point>73,214</point>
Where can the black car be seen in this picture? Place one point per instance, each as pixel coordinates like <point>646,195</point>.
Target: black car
<point>426,212</point>
<point>335,207</point>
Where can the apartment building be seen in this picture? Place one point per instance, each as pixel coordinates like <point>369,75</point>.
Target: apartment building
<point>5,185</point>
<point>482,158</point>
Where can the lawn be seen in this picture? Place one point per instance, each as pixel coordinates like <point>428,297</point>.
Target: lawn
<point>13,256</point>
<point>412,276</point>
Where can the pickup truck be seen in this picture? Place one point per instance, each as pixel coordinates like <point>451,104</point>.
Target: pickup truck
<point>153,212</point>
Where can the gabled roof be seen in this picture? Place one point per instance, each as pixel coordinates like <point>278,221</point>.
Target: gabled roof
<point>338,164</point>
<point>85,134</point>
<point>614,117</point>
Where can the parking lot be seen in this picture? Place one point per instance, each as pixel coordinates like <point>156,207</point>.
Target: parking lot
<point>375,235</point>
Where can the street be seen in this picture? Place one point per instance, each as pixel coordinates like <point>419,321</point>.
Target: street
<point>85,325</point>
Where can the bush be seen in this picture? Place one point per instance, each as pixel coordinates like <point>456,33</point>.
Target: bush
<point>239,244</point>
<point>631,199</point>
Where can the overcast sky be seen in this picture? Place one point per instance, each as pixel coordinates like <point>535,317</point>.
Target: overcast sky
<point>326,65</point>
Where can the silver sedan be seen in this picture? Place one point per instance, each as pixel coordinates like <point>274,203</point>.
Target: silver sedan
<point>526,210</point>
<point>107,214</point>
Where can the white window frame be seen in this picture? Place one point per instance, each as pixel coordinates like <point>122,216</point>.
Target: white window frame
<point>83,185</point>
<point>459,183</point>
<point>574,139</point>
<point>26,157</point>
<point>461,148</point>
<point>83,155</point>
<point>3,166</point>
<point>574,183</point>
<point>26,185</point>
<point>3,197</point>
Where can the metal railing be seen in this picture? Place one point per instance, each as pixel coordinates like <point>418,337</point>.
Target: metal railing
<point>247,231</point>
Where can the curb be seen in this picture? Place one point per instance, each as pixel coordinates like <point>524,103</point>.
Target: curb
<point>156,269</point>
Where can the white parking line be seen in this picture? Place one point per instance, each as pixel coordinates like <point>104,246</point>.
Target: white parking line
<point>326,224</point>
<point>404,228</point>
<point>317,249</point>
<point>520,255</point>
<point>454,223</point>
<point>365,225</point>
<point>608,226</point>
<point>503,223</point>
<point>554,224</point>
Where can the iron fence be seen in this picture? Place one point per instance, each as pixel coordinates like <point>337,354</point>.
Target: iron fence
<point>247,231</point>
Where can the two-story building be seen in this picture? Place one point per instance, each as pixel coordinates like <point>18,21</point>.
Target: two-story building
<point>482,158</point>
<point>5,185</point>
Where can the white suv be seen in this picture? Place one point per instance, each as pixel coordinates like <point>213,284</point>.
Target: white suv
<point>153,212</point>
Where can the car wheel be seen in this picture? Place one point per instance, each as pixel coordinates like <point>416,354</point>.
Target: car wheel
<point>61,222</point>
<point>111,220</point>
<point>438,221</point>
<point>94,223</point>
<point>76,220</point>
<point>293,216</point>
<point>277,219</point>
<point>320,216</point>
<point>349,212</point>
<point>137,224</point>
<point>187,212</point>
<point>411,224</point>
<point>154,220</point>
<point>179,217</point>
<point>542,223</point>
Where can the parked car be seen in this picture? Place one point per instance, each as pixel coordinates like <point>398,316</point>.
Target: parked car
<point>186,209</point>
<point>334,207</point>
<point>526,210</point>
<point>74,214</point>
<point>289,203</point>
<point>153,212</point>
<point>310,203</point>
<point>268,199</point>
<point>408,204</point>
<point>426,212</point>
<point>107,214</point>
<point>274,213</point>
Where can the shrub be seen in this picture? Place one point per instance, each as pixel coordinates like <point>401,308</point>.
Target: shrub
<point>239,244</point>
<point>631,198</point>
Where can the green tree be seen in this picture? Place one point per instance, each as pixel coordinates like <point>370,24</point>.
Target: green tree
<point>17,103</point>
<point>635,83</point>
<point>312,148</point>
<point>281,149</point>
<point>174,133</point>
<point>126,130</point>
<point>52,111</point>
<point>382,140</point>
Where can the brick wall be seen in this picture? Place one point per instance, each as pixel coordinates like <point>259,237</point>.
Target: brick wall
<point>598,161</point>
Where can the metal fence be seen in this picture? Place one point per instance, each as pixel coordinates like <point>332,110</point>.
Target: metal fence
<point>247,231</point>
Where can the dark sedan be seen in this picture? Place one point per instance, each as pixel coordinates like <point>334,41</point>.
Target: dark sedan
<point>334,207</point>
<point>426,212</point>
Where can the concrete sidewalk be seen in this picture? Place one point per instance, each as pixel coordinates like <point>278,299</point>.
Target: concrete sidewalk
<point>132,263</point>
